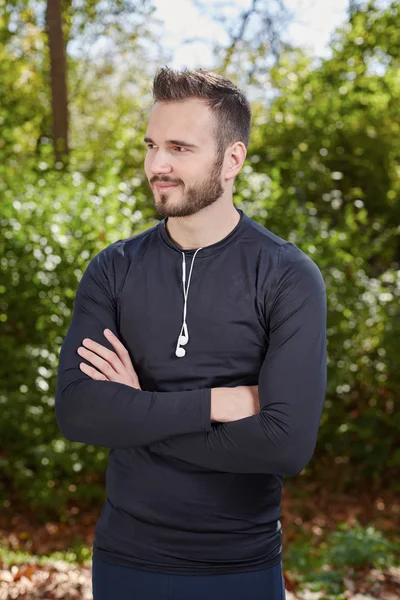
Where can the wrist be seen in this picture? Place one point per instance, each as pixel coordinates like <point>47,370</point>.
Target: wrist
<point>217,405</point>
<point>222,400</point>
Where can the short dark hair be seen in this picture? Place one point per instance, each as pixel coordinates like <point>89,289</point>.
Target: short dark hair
<point>230,107</point>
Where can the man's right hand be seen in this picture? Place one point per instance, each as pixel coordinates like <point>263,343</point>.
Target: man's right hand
<point>233,404</point>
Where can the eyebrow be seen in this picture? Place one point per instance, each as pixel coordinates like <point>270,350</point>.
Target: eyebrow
<point>172,143</point>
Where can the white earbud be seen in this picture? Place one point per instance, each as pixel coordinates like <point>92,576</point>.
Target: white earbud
<point>182,340</point>
<point>180,352</point>
<point>184,337</point>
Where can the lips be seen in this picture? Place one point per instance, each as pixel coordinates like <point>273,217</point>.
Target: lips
<point>166,186</point>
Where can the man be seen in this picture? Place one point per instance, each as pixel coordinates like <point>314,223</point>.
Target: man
<point>210,387</point>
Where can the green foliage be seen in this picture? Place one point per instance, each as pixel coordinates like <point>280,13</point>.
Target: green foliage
<point>50,232</point>
<point>322,171</point>
<point>359,546</point>
<point>322,566</point>
<point>53,221</point>
<point>78,553</point>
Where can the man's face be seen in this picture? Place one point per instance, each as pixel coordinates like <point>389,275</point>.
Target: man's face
<point>182,152</point>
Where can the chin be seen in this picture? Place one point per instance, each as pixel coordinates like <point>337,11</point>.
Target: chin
<point>174,209</point>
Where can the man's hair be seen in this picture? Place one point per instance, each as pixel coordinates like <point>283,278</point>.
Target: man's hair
<point>230,108</point>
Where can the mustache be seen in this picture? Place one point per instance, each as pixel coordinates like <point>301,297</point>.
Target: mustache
<point>164,180</point>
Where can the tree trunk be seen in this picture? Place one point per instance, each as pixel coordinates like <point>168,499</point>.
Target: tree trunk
<point>58,79</point>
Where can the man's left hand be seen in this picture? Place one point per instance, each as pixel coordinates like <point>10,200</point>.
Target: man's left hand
<point>110,366</point>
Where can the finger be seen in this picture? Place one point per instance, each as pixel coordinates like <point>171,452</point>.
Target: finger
<point>103,352</point>
<point>102,365</point>
<point>120,349</point>
<point>98,348</point>
<point>92,372</point>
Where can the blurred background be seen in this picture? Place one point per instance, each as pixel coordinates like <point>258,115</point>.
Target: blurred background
<point>322,171</point>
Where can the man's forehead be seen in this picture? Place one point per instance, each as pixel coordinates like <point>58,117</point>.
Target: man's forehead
<point>189,120</point>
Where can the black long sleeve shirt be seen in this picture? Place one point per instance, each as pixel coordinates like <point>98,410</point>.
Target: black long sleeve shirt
<point>185,495</point>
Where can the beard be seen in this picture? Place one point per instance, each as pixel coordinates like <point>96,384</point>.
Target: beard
<point>196,197</point>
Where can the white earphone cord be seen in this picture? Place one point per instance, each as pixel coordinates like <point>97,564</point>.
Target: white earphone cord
<point>180,352</point>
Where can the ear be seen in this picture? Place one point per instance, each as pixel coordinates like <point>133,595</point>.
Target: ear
<point>236,158</point>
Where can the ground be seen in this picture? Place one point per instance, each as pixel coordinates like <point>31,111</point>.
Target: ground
<point>308,512</point>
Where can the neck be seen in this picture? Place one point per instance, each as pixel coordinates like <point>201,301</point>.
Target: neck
<point>208,226</point>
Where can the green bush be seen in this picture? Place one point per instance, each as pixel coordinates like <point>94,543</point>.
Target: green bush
<point>310,177</point>
<point>324,565</point>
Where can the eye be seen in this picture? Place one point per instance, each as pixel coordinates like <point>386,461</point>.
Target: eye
<point>178,149</point>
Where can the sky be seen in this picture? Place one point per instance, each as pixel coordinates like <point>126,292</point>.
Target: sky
<point>313,23</point>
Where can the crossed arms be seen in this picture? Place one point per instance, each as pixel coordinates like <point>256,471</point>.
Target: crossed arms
<point>280,439</point>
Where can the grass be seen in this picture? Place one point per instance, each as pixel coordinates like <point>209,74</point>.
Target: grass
<point>77,554</point>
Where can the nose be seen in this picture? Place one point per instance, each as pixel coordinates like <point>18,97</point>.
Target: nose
<point>158,163</point>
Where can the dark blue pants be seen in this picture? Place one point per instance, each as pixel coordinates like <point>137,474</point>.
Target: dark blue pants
<point>114,582</point>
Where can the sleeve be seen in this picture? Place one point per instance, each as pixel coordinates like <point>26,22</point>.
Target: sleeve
<point>292,384</point>
<point>107,413</point>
